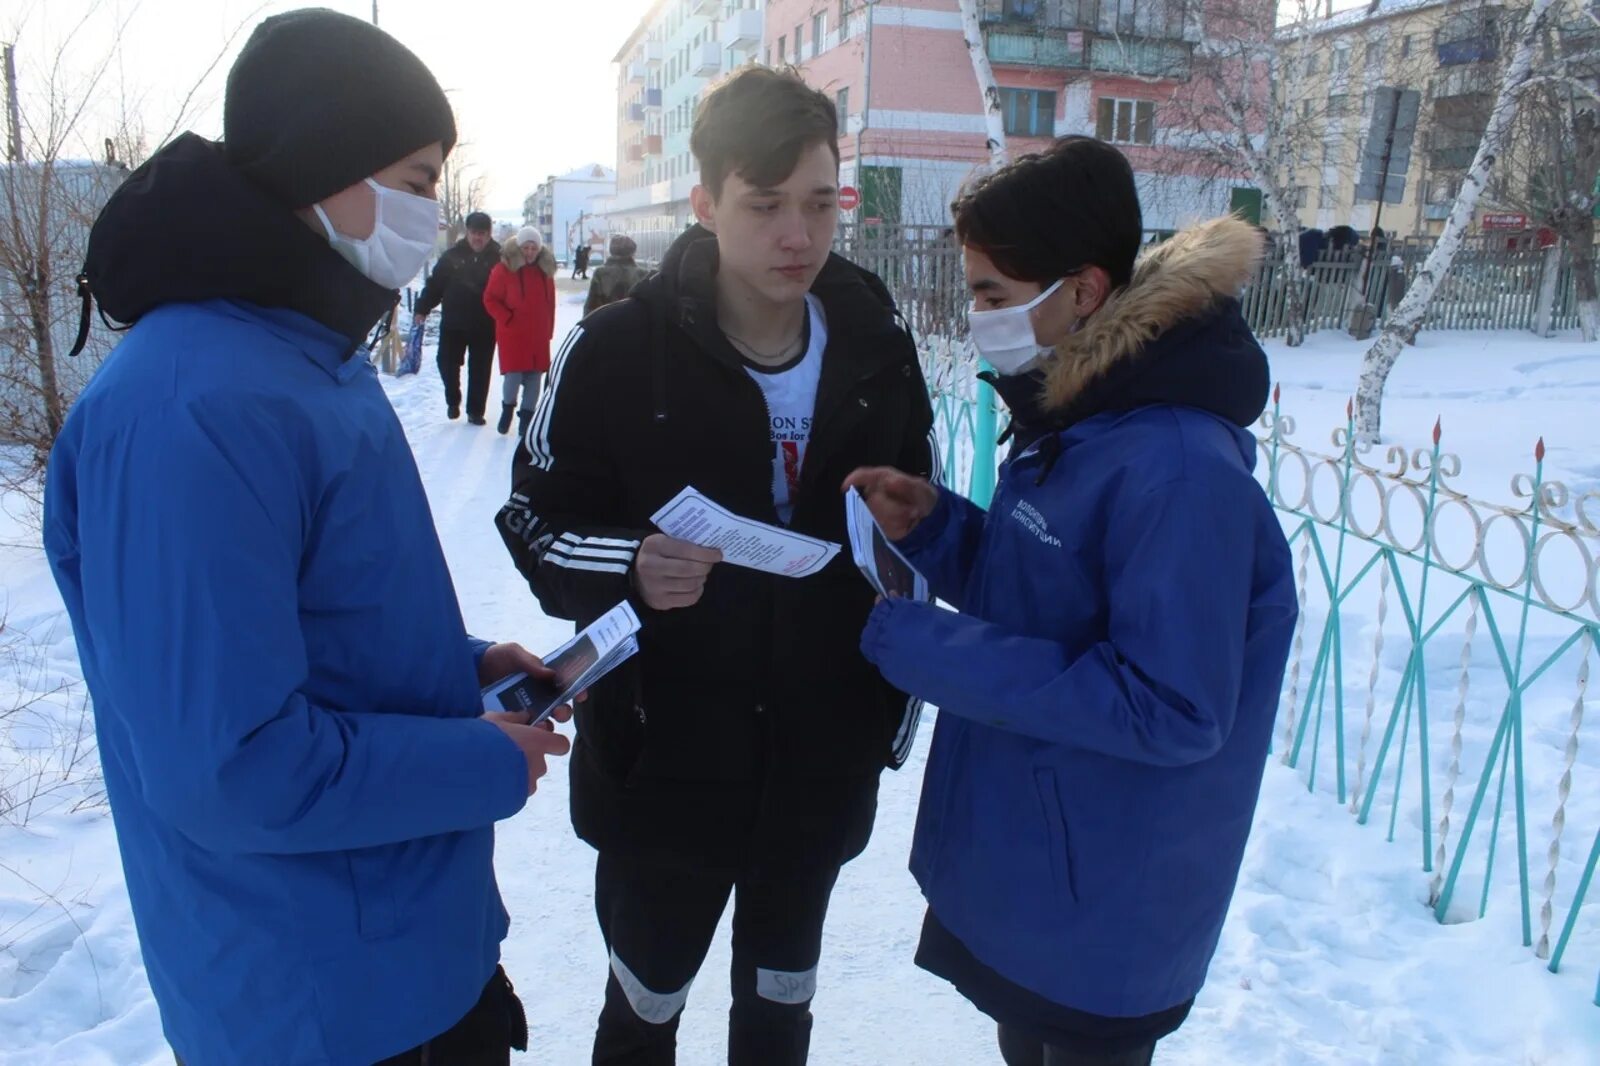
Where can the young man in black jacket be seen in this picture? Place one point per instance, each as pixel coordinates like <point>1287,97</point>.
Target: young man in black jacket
<point>739,753</point>
<point>467,331</point>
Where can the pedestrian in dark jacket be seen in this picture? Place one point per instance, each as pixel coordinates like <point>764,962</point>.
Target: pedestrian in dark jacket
<point>466,331</point>
<point>288,716</point>
<point>521,297</point>
<point>580,262</point>
<point>739,752</point>
<point>1108,687</point>
<point>616,277</point>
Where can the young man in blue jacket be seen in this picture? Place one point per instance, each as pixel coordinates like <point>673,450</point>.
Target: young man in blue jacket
<point>286,700</point>
<point>1108,687</point>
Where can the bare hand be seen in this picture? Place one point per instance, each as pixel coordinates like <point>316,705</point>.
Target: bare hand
<point>897,501</point>
<point>534,741</point>
<point>671,573</point>
<point>503,660</point>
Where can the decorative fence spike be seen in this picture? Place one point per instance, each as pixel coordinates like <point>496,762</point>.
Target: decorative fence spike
<point>1452,772</point>
<point>1297,656</point>
<point>1372,687</point>
<point>1563,790</point>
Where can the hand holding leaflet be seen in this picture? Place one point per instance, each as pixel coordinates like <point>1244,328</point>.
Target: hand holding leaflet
<point>743,541</point>
<point>600,648</point>
<point>877,557</point>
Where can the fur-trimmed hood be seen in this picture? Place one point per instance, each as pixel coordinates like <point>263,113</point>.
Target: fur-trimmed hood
<point>512,256</point>
<point>1184,278</point>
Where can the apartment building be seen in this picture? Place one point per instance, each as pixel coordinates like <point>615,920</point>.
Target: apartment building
<point>912,115</point>
<point>1449,54</point>
<point>563,206</point>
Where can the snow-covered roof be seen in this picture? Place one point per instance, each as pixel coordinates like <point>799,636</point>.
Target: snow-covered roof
<point>590,172</point>
<point>1360,15</point>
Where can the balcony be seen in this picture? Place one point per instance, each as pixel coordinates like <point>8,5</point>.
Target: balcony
<point>652,99</point>
<point>1480,49</point>
<point>652,52</point>
<point>742,30</point>
<point>1035,14</point>
<point>1455,158</point>
<point>1454,82</point>
<point>1024,49</point>
<point>635,152</point>
<point>1147,58</point>
<point>652,144</point>
<point>706,61</point>
<point>635,73</point>
<point>1436,212</point>
<point>709,8</point>
<point>635,113</point>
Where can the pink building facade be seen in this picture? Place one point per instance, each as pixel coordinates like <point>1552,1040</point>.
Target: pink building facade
<point>911,114</point>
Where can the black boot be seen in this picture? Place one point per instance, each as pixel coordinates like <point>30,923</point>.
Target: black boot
<point>454,411</point>
<point>504,425</point>
<point>523,418</point>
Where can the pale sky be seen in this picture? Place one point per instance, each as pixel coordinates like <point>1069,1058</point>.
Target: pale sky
<point>531,81</point>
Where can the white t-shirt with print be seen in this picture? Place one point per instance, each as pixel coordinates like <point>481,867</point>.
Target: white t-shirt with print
<point>791,392</point>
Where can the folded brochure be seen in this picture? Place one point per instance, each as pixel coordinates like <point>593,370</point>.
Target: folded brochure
<point>601,647</point>
<point>693,517</point>
<point>878,559</point>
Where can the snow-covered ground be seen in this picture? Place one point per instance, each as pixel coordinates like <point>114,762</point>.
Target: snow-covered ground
<point>1329,955</point>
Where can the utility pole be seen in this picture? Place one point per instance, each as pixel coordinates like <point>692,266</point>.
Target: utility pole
<point>13,107</point>
<point>374,12</point>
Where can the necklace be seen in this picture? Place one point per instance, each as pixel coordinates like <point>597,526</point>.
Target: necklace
<point>782,355</point>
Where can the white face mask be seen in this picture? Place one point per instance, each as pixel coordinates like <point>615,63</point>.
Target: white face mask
<point>404,231</point>
<point>1004,336</point>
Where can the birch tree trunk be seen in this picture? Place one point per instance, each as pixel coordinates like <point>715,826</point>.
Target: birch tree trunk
<point>1403,324</point>
<point>993,118</point>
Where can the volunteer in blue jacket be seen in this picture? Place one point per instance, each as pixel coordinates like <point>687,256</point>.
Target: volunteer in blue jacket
<point>286,701</point>
<point>1107,690</point>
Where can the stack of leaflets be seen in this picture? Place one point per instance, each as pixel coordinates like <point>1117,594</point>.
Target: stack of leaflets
<point>691,516</point>
<point>879,560</point>
<point>600,648</point>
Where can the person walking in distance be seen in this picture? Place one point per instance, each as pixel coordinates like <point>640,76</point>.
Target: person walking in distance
<point>521,298</point>
<point>286,700</point>
<point>738,755</point>
<point>466,331</point>
<point>580,262</point>
<point>616,277</point>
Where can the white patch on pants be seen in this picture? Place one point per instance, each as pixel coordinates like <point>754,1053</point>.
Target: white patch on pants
<point>782,986</point>
<point>657,1008</point>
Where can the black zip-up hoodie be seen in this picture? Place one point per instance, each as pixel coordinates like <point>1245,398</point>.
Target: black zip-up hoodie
<point>738,711</point>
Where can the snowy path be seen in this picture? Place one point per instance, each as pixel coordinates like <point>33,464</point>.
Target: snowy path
<point>1329,956</point>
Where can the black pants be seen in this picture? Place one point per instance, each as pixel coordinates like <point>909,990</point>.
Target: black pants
<point>658,922</point>
<point>483,1037</point>
<point>1020,1050</point>
<point>478,348</point>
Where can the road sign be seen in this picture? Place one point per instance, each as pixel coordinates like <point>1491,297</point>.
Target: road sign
<point>849,198</point>
<point>1387,154</point>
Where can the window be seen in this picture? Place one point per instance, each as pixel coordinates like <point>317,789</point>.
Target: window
<point>766,56</point>
<point>799,43</point>
<point>1305,108</point>
<point>1029,112</point>
<point>1126,121</point>
<point>1341,60</point>
<point>1338,104</point>
<point>1328,196</point>
<point>841,102</point>
<point>1405,47</point>
<point>1311,64</point>
<point>783,49</point>
<point>844,15</point>
<point>818,28</point>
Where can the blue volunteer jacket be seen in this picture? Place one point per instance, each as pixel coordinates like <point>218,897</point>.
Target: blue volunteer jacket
<point>1108,688</point>
<point>285,697</point>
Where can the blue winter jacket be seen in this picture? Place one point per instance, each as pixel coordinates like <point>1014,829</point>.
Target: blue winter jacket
<point>1107,690</point>
<point>285,697</point>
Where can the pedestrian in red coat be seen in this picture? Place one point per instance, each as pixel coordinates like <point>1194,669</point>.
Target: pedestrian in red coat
<point>521,298</point>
